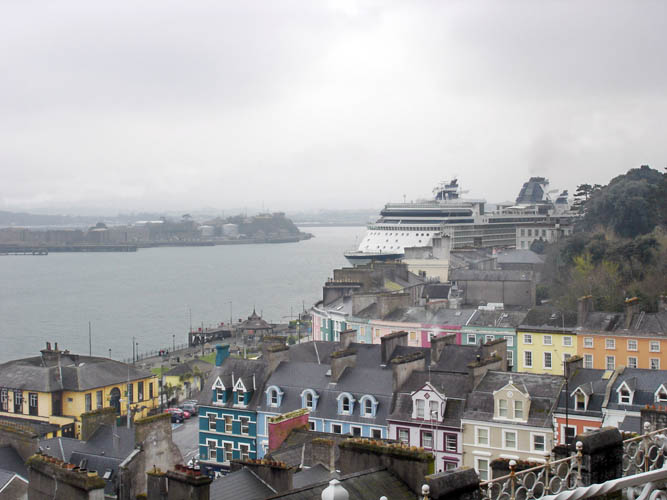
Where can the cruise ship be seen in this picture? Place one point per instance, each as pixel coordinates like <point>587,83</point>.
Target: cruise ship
<point>465,221</point>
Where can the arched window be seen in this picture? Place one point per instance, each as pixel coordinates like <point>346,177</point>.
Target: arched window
<point>345,404</point>
<point>368,407</point>
<point>309,400</point>
<point>274,397</point>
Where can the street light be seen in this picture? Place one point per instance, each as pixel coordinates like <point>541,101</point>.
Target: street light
<point>173,342</point>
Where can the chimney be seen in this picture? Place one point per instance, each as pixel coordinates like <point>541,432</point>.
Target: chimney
<point>275,354</point>
<point>478,369</point>
<point>93,420</point>
<point>347,337</point>
<point>572,364</point>
<point>438,345</point>
<point>631,308</point>
<point>281,426</point>
<point>403,366</point>
<point>49,354</point>
<point>496,349</point>
<point>341,360</point>
<point>270,341</point>
<point>188,483</point>
<point>324,452</point>
<point>584,306</point>
<point>156,485</point>
<point>278,475</point>
<point>221,354</point>
<point>389,342</point>
<point>662,303</point>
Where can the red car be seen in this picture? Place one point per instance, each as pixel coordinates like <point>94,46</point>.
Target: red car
<point>177,416</point>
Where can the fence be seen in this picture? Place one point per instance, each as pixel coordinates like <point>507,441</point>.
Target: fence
<point>643,470</point>
<point>156,352</point>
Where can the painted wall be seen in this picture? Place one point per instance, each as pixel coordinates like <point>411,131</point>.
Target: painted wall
<point>234,437</point>
<point>534,343</point>
<point>622,351</point>
<point>474,335</point>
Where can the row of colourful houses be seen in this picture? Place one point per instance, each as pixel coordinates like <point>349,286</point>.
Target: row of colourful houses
<point>539,340</point>
<point>454,400</point>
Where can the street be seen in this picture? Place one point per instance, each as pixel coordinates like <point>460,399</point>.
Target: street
<point>185,436</point>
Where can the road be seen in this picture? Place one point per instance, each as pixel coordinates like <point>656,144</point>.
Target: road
<point>186,437</point>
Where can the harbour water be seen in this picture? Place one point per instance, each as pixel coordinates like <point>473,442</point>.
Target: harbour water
<point>149,294</point>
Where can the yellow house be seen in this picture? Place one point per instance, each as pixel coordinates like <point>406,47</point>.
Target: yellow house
<point>545,339</point>
<point>186,379</point>
<point>51,391</point>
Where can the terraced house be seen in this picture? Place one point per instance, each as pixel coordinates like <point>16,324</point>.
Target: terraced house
<point>488,325</point>
<point>50,392</point>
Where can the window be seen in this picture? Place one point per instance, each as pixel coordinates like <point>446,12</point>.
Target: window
<point>523,232</point>
<point>624,396</point>
<point>229,421</point>
<point>309,400</point>
<point>482,468</point>
<point>99,398</point>
<point>18,401</point>
<point>32,403</point>
<point>450,466</point>
<point>427,440</point>
<point>490,338</point>
<point>654,363</point>
<point>482,434</point>
<point>151,394</point>
<point>567,341</point>
<point>502,408</point>
<point>610,343</point>
<point>510,358</point>
<point>570,434</point>
<point>611,363</point>
<point>211,450</point>
<point>368,407</point>
<point>355,430</point>
<point>337,428</point>
<point>654,346</point>
<point>472,339</point>
<point>245,425</point>
<point>588,342</point>
<point>140,390</point>
<point>539,442</point>
<point>632,362</point>
<point>433,410</point>
<point>130,393</point>
<point>632,345</point>
<point>527,338</point>
<point>376,433</point>
<point>274,397</point>
<point>546,340</point>
<point>547,360</point>
<point>240,396</point>
<point>588,361</point>
<point>528,359</point>
<point>420,408</point>
<point>661,395</point>
<point>510,439</point>
<point>88,403</point>
<point>518,408</point>
<point>211,421</point>
<point>345,405</point>
<point>451,443</point>
<point>580,401</point>
<point>245,451</point>
<point>404,436</point>
<point>510,340</point>
<point>3,399</point>
<point>311,425</point>
<point>413,336</point>
<point>229,454</point>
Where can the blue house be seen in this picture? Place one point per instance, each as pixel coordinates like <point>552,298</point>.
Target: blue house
<point>227,412</point>
<point>343,397</point>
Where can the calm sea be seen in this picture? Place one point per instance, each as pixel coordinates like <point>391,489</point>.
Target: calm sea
<point>150,294</point>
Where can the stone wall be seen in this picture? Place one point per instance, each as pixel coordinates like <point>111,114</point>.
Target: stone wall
<point>50,479</point>
<point>25,443</point>
<point>93,420</point>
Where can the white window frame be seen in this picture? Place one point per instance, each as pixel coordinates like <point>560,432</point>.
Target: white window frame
<point>447,443</point>
<point>510,340</point>
<point>484,474</point>
<point>488,432</point>
<point>547,340</point>
<point>339,426</point>
<point>587,358</point>
<point>654,363</point>
<point>624,399</point>
<point>510,357</point>
<point>525,359</point>
<point>420,404</point>
<point>514,408</point>
<point>516,438</point>
<point>243,446</point>
<point>527,339</point>
<point>652,343</point>
<point>610,344</point>
<point>632,344</point>
<point>489,338</point>
<point>398,435</point>
<point>245,423</point>
<point>359,428</point>
<point>215,417</point>
<point>501,409</point>
<point>474,339</point>
<point>567,341</point>
<point>633,362</point>
<point>212,450</point>
<point>613,362</point>
<point>549,356</point>
<point>376,430</point>
<point>533,435</point>
<point>588,342</point>
<point>424,432</point>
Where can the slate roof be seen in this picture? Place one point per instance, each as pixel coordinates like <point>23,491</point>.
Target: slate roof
<point>36,426</point>
<point>188,366</point>
<point>644,383</point>
<point>240,485</point>
<point>312,475</point>
<point>292,378</point>
<point>613,323</point>
<point>297,447</point>
<point>543,391</point>
<point>518,256</point>
<point>497,319</point>
<point>365,485</point>
<point>436,291</point>
<point>11,461</point>
<point>490,275</point>
<point>591,382</point>
<point>6,476</point>
<point>252,372</point>
<point>79,373</point>
<point>549,318</point>
<point>255,322</point>
<point>110,441</point>
<point>313,352</point>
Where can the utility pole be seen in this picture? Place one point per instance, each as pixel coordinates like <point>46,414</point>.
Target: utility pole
<point>133,351</point>
<point>173,342</point>
<point>90,340</point>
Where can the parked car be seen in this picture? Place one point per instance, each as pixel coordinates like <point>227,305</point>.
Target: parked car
<point>176,415</point>
<point>190,407</point>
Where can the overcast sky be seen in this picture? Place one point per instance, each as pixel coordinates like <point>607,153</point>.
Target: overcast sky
<point>152,105</point>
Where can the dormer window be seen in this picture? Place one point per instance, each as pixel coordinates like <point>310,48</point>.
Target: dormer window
<point>581,401</point>
<point>345,404</point>
<point>518,409</point>
<point>274,396</point>
<point>624,396</point>
<point>368,407</point>
<point>309,400</point>
<point>420,408</point>
<point>502,408</point>
<point>661,394</point>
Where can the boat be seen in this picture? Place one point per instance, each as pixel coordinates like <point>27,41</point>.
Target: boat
<point>465,221</point>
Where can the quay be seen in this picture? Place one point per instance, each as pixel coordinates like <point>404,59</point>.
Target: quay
<point>44,250</point>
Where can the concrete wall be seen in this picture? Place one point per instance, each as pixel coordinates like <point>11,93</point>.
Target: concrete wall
<point>50,481</point>
<point>25,443</point>
<point>510,293</point>
<point>93,420</point>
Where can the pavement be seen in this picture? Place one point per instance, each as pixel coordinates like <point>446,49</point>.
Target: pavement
<point>186,437</point>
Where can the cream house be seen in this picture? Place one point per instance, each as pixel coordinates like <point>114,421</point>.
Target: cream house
<point>509,415</point>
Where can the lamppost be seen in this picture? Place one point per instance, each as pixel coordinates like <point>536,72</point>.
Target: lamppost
<point>173,342</point>
<point>566,374</point>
